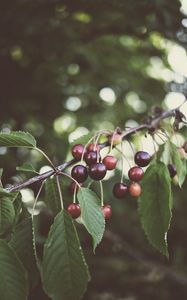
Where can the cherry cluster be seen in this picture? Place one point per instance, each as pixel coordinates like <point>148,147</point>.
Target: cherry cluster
<point>96,168</point>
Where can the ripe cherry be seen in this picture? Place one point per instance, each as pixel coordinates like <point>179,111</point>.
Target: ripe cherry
<point>91,157</point>
<point>97,171</point>
<point>74,210</point>
<point>79,173</point>
<point>107,211</point>
<point>115,139</point>
<point>120,190</point>
<point>74,186</point>
<point>135,189</point>
<point>110,162</point>
<point>136,174</point>
<point>77,151</point>
<point>172,170</point>
<point>142,158</point>
<point>93,147</point>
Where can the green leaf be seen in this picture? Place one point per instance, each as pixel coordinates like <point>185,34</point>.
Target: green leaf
<point>155,205</point>
<point>52,195</point>
<point>26,168</point>
<point>65,273</point>
<point>22,243</point>
<point>179,163</point>
<point>91,214</point>
<point>83,139</point>
<point>7,212</point>
<point>17,139</point>
<point>13,277</point>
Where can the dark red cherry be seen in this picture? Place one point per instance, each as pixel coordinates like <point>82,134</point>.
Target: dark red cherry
<point>91,157</point>
<point>172,170</point>
<point>110,162</point>
<point>74,186</point>
<point>135,189</point>
<point>93,147</point>
<point>97,171</point>
<point>120,190</point>
<point>142,158</point>
<point>74,210</point>
<point>77,151</point>
<point>79,173</point>
<point>107,211</point>
<point>136,174</point>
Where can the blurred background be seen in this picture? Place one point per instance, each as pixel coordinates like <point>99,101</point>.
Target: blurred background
<point>70,67</point>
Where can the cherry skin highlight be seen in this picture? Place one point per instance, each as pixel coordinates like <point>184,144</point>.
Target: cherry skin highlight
<point>74,210</point>
<point>97,171</point>
<point>79,173</point>
<point>110,162</point>
<point>107,211</point>
<point>135,189</point>
<point>136,174</point>
<point>120,190</point>
<point>142,158</point>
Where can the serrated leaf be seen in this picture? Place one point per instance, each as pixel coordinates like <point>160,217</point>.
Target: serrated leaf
<point>7,212</point>
<point>17,139</point>
<point>64,270</point>
<point>83,139</point>
<point>21,242</point>
<point>52,195</point>
<point>26,168</point>
<point>155,205</point>
<point>91,214</point>
<point>179,163</point>
<point>13,277</point>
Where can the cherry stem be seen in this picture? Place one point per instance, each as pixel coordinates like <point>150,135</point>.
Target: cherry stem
<point>45,155</point>
<point>101,189</point>
<point>59,192</point>
<point>122,164</point>
<point>74,194</point>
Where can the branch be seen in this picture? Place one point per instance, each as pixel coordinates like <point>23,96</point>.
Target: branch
<point>150,126</point>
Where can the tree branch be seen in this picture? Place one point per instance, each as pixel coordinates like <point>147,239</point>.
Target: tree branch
<point>150,126</point>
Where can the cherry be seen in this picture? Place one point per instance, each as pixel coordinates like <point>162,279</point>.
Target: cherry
<point>110,162</point>
<point>93,147</point>
<point>74,210</point>
<point>91,157</point>
<point>135,189</point>
<point>142,158</point>
<point>136,174</point>
<point>97,171</point>
<point>79,173</point>
<point>181,152</point>
<point>115,139</point>
<point>120,190</point>
<point>77,151</point>
<point>172,170</point>
<point>107,211</point>
<point>73,185</point>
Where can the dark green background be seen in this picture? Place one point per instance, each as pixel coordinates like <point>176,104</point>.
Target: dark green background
<point>51,50</point>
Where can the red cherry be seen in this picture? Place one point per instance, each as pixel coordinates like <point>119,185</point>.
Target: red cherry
<point>135,189</point>
<point>142,158</point>
<point>120,190</point>
<point>115,139</point>
<point>93,147</point>
<point>110,162</point>
<point>136,174</point>
<point>73,185</point>
<point>74,210</point>
<point>79,173</point>
<point>77,151</point>
<point>97,171</point>
<point>107,211</point>
<point>91,157</point>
